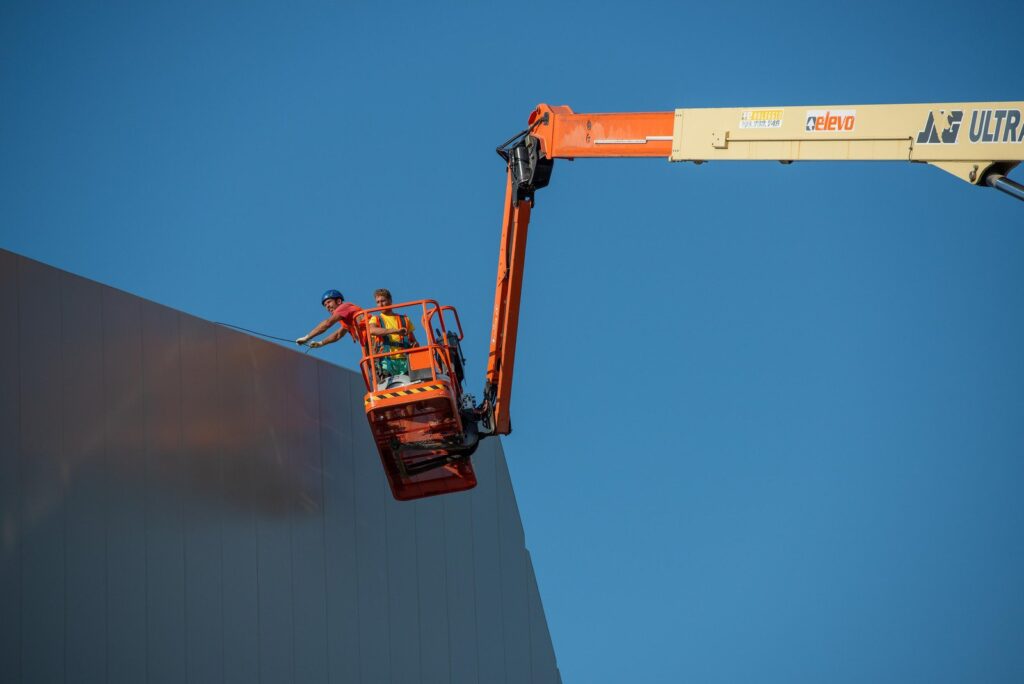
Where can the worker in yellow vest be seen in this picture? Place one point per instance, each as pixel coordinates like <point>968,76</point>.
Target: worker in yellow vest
<point>390,331</point>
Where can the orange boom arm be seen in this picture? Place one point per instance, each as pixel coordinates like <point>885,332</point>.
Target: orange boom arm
<point>979,142</point>
<point>564,134</point>
<point>554,132</point>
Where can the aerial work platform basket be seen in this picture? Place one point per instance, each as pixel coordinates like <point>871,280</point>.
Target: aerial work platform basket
<point>423,422</point>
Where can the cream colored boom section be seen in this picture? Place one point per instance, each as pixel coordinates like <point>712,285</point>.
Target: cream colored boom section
<point>967,139</point>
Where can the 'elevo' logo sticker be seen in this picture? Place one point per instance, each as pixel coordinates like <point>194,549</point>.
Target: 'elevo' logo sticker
<point>830,120</point>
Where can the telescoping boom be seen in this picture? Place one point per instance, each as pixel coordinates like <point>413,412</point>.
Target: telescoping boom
<point>978,142</point>
<point>427,427</point>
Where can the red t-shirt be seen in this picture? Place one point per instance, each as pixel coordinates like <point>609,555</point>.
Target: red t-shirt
<point>345,315</point>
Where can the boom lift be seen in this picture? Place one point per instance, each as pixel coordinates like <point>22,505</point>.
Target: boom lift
<point>430,428</point>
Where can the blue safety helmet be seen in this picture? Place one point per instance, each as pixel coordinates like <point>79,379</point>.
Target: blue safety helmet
<point>331,294</point>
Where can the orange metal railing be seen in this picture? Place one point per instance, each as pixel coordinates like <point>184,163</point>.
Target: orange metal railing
<point>432,321</point>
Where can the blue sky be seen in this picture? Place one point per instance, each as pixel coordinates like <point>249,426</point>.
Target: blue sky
<point>769,421</point>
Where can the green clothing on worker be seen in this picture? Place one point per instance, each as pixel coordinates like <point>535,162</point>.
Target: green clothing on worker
<point>397,364</point>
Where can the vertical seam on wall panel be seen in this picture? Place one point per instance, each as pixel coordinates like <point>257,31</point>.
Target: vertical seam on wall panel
<point>531,580</point>
<point>447,608</point>
<point>63,456</point>
<point>291,466</point>
<point>250,486</point>
<point>476,613</point>
<point>219,492</point>
<point>184,523</point>
<point>21,481</point>
<point>222,493</point>
<point>418,573</point>
<point>501,574</point>
<point>355,525</point>
<point>145,479</point>
<point>106,469</point>
<point>219,398</point>
<point>323,518</point>
<point>528,573</point>
<point>178,456</point>
<point>387,590</point>
<point>527,566</point>
<point>289,469</point>
<point>256,528</point>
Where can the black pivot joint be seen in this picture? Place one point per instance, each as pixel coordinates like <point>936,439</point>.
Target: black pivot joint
<point>531,171</point>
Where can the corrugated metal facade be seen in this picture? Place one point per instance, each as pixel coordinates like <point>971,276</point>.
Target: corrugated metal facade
<point>184,503</point>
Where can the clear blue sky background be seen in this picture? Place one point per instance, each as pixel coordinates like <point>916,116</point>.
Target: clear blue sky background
<point>809,469</point>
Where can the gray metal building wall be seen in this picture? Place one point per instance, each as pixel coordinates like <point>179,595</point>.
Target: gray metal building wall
<point>180,502</point>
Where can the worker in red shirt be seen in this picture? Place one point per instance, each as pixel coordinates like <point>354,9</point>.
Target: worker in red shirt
<point>343,313</point>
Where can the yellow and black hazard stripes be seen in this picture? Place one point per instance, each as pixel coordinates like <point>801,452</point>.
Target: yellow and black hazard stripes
<point>401,393</point>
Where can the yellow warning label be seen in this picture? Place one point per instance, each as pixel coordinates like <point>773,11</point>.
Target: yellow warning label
<point>761,118</point>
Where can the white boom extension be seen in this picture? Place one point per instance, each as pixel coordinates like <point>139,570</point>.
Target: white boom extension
<point>979,142</point>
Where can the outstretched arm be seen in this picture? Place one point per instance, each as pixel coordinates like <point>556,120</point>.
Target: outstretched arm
<point>319,330</point>
<point>330,339</point>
